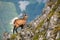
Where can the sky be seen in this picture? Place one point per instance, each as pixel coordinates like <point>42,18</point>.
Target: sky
<point>32,7</point>
<point>11,9</point>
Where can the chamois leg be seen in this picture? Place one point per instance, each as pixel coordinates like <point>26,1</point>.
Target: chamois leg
<point>15,29</point>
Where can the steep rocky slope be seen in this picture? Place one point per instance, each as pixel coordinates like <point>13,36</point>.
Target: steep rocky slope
<point>45,27</point>
<point>48,26</point>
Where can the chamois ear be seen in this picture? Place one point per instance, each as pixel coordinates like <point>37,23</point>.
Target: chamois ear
<point>25,14</point>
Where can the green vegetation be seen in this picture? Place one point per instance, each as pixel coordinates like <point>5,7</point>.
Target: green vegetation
<point>39,34</point>
<point>13,36</point>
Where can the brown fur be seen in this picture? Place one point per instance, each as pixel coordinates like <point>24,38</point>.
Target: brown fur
<point>19,23</point>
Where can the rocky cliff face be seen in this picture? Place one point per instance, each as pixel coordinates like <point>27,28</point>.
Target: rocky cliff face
<point>49,24</point>
<point>44,27</point>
